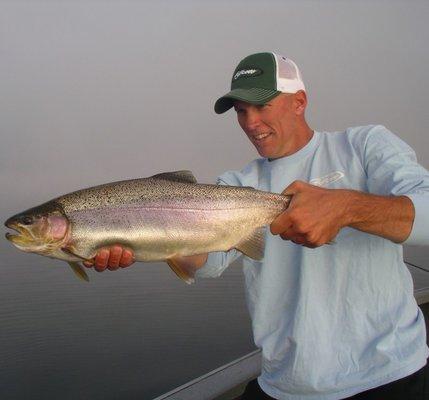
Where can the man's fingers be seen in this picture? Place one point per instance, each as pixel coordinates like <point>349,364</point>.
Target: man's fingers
<point>127,258</point>
<point>101,260</point>
<point>294,187</point>
<point>281,224</point>
<point>289,235</point>
<point>114,258</point>
<point>300,240</point>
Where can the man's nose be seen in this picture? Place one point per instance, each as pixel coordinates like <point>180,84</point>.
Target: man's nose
<point>253,121</point>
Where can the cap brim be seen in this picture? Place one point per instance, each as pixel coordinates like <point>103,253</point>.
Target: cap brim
<point>252,96</point>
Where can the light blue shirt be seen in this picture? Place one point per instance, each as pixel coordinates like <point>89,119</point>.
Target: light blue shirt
<point>339,319</point>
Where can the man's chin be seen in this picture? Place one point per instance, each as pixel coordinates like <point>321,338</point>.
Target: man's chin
<point>270,153</point>
<point>265,153</point>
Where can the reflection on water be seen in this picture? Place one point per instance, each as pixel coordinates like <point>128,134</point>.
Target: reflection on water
<point>131,334</point>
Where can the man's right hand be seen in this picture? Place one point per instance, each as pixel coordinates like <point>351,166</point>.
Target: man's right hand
<point>115,257</point>
<point>111,258</point>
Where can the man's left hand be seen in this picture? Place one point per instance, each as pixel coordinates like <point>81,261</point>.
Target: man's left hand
<point>314,216</point>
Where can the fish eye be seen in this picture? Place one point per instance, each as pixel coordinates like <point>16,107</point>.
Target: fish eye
<point>27,220</point>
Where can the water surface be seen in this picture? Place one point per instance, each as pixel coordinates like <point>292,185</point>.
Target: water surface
<point>131,334</point>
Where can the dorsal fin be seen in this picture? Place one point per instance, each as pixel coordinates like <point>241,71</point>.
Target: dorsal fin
<point>253,245</point>
<point>176,176</point>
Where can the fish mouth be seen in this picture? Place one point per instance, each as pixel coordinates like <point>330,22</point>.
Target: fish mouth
<point>20,237</point>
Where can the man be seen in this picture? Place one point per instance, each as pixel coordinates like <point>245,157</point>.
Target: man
<point>332,303</point>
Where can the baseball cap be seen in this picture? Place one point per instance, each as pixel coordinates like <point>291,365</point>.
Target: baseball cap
<point>259,78</point>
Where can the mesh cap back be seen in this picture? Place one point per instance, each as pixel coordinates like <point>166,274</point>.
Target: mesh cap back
<point>289,78</point>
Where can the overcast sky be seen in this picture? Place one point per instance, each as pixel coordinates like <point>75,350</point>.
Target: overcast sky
<point>93,92</point>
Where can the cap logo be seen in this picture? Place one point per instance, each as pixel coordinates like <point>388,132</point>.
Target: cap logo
<point>246,73</point>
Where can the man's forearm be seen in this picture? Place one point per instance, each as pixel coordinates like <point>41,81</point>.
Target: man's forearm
<point>390,217</point>
<point>316,215</point>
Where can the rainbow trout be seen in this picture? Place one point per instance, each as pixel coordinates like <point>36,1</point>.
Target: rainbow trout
<point>162,217</point>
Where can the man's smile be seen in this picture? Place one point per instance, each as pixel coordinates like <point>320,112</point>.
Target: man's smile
<point>261,136</point>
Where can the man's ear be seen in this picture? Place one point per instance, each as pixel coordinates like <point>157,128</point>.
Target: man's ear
<point>300,102</point>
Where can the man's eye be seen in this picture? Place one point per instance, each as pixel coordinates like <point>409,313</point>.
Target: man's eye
<point>260,107</point>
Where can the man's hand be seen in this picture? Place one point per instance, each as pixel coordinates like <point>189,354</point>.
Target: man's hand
<point>115,257</point>
<point>112,258</point>
<point>314,216</point>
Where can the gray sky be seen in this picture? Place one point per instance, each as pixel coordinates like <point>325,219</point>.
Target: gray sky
<point>98,91</point>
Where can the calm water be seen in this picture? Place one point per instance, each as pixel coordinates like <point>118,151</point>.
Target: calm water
<point>131,334</point>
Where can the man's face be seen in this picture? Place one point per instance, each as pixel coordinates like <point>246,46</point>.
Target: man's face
<point>270,127</point>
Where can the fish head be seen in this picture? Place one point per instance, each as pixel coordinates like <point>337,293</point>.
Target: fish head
<point>42,229</point>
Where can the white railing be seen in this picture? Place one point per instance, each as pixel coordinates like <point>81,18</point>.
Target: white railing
<point>219,381</point>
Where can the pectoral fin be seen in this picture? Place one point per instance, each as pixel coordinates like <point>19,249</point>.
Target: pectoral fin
<point>253,245</point>
<point>72,252</point>
<point>183,273</point>
<point>79,271</point>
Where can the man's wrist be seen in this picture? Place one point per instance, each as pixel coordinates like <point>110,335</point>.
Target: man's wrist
<point>351,205</point>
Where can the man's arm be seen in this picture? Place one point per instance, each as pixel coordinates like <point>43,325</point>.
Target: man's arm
<point>390,217</point>
<point>316,215</point>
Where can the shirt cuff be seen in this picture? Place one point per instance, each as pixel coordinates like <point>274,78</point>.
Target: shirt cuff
<point>420,231</point>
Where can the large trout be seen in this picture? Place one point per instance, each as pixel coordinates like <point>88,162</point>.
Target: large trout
<point>162,217</point>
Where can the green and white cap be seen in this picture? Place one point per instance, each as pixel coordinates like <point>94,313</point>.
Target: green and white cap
<point>259,78</point>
